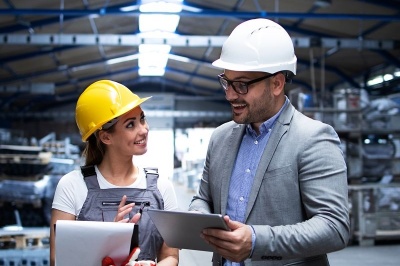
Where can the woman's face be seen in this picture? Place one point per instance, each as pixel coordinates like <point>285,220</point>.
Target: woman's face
<point>130,134</point>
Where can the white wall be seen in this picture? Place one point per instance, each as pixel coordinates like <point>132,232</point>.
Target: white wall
<point>160,152</point>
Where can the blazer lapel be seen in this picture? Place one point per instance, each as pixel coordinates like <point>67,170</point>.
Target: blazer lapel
<point>232,144</point>
<point>281,126</point>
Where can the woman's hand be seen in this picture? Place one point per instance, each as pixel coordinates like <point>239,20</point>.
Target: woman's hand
<point>124,210</point>
<point>130,261</point>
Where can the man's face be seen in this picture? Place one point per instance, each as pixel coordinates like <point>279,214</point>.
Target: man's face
<point>257,105</point>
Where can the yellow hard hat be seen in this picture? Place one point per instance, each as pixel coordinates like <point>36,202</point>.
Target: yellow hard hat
<point>101,102</point>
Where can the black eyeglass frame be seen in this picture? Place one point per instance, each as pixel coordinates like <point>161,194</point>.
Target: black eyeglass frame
<point>244,84</point>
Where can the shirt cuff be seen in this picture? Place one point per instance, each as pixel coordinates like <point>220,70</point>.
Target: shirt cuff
<point>253,240</point>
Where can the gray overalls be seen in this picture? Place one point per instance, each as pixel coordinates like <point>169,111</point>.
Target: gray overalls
<point>102,205</point>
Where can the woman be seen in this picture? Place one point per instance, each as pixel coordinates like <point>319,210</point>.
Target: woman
<point>114,128</point>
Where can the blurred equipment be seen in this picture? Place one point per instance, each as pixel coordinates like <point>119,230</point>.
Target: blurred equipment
<point>29,173</point>
<point>369,129</point>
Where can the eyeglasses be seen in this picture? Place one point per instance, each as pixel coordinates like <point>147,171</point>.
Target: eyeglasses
<point>240,87</point>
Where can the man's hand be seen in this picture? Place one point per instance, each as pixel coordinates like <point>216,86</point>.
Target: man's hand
<point>234,245</point>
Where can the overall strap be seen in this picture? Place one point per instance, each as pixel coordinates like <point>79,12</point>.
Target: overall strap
<point>90,177</point>
<point>151,177</point>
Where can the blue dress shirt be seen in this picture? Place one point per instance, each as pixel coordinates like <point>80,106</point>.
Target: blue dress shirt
<point>246,164</point>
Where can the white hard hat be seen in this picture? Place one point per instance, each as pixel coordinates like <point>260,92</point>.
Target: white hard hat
<point>258,45</point>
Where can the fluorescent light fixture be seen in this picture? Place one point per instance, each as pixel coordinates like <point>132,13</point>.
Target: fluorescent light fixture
<point>154,22</point>
<point>396,73</point>
<point>161,6</point>
<point>129,8</point>
<point>151,71</point>
<point>191,9</point>
<point>157,34</point>
<point>322,3</point>
<point>122,59</point>
<point>82,67</point>
<point>387,77</point>
<point>382,78</point>
<point>154,48</point>
<point>374,81</point>
<point>153,59</point>
<point>173,7</point>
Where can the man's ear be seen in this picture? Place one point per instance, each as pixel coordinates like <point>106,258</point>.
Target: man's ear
<point>104,137</point>
<point>278,84</point>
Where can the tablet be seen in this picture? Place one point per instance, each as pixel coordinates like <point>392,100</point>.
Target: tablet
<point>88,242</point>
<point>182,229</point>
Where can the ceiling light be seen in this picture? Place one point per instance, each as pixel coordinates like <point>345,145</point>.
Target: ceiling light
<point>154,48</point>
<point>153,59</point>
<point>129,8</point>
<point>374,81</point>
<point>387,77</point>
<point>157,34</point>
<point>161,6</point>
<point>191,9</point>
<point>151,71</point>
<point>156,22</point>
<point>322,3</point>
<point>173,7</point>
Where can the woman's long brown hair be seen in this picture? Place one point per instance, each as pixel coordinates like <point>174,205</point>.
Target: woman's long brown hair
<point>95,148</point>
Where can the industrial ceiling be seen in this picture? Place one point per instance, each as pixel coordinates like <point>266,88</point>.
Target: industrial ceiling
<point>51,50</point>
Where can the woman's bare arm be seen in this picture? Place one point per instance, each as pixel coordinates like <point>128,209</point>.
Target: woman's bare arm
<point>56,215</point>
<point>168,256</point>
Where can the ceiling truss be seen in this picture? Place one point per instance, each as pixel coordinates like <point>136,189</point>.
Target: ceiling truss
<point>183,41</point>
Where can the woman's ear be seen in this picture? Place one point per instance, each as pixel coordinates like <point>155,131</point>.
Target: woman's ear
<point>104,137</point>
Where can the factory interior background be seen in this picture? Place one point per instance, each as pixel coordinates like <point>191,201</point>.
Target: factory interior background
<point>348,75</point>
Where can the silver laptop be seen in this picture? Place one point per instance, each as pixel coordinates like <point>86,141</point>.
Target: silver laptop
<point>182,229</point>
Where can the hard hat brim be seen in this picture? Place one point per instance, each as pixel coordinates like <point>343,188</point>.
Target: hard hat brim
<point>289,66</point>
<point>122,111</point>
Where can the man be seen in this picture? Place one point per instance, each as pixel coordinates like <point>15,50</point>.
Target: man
<point>279,176</point>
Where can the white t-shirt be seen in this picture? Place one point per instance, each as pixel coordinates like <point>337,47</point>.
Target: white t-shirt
<point>71,191</point>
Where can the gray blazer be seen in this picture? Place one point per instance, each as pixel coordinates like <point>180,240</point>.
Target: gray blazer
<point>298,203</point>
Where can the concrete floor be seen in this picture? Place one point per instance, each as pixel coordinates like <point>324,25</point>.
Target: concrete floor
<point>385,255</point>
<point>381,254</point>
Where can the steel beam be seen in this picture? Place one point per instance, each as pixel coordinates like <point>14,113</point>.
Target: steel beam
<point>149,113</point>
<point>32,88</point>
<point>182,41</point>
<point>202,13</point>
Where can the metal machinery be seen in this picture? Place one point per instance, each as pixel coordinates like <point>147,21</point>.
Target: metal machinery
<point>29,173</point>
<point>370,135</point>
